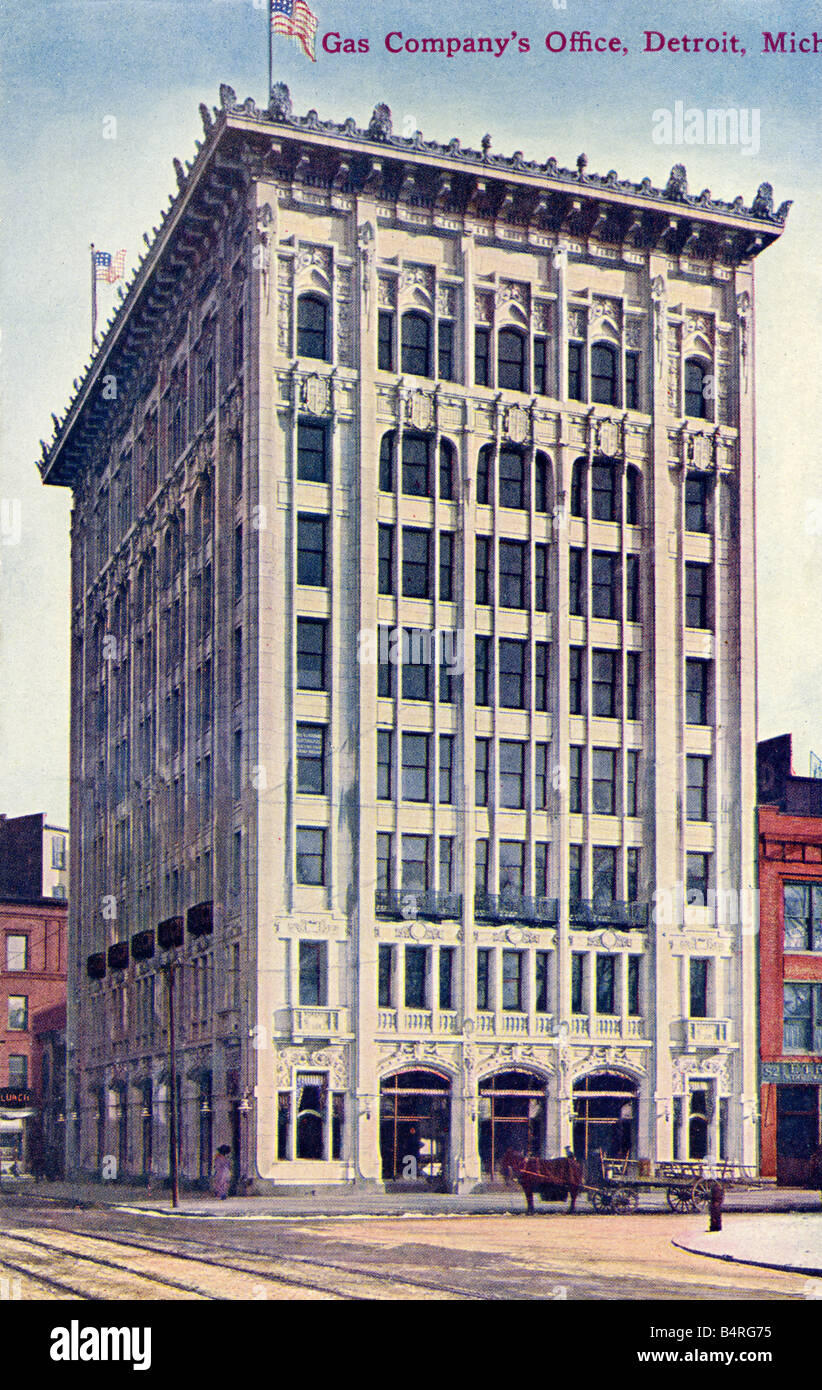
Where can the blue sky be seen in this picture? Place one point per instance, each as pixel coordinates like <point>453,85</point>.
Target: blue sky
<point>66,67</point>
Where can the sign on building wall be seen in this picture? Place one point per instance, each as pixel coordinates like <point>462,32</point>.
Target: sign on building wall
<point>787,1073</point>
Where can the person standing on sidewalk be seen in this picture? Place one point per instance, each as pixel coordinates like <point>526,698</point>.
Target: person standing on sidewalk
<point>222,1171</point>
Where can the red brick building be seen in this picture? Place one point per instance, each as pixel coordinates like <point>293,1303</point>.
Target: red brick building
<point>790,979</point>
<point>32,1003</point>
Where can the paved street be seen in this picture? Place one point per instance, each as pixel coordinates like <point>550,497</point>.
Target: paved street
<point>59,1251</point>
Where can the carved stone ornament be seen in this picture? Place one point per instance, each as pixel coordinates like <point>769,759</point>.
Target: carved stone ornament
<point>315,394</point>
<point>421,410</point>
<point>577,323</point>
<point>516,424</point>
<point>380,125</point>
<point>483,306</point>
<point>607,437</point>
<point>658,296</point>
<point>279,107</point>
<point>386,292</point>
<point>699,451</point>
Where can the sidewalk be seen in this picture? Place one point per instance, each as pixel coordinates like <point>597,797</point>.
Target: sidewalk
<point>788,1241</point>
<point>347,1202</point>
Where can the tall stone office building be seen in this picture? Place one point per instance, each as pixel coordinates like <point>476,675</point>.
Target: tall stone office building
<point>413,679</point>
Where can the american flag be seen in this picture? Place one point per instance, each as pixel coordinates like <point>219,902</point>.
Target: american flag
<point>110,268</point>
<point>294,19</point>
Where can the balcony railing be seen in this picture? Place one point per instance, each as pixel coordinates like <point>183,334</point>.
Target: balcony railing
<point>318,1021</point>
<point>516,907</point>
<point>589,912</point>
<point>433,1021</point>
<point>606,1026</point>
<point>408,903</point>
<point>513,1023</point>
<point>708,1032</point>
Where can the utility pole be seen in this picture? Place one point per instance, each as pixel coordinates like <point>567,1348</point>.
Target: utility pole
<point>169,968</point>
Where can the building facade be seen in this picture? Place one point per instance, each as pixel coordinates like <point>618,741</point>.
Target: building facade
<point>413,689</point>
<point>33,858</point>
<point>790,981</point>
<point>33,942</point>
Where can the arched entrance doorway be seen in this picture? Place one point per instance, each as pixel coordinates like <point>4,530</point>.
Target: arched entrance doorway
<point>605,1114</point>
<point>511,1116</point>
<point>415,1127</point>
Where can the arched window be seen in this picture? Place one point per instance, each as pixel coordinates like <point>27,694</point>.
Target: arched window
<point>578,488</point>
<point>416,344</point>
<point>542,483</point>
<point>604,374</point>
<point>387,462</point>
<point>485,485</point>
<point>604,491</point>
<point>512,489</point>
<point>511,360</point>
<point>416,471</point>
<point>696,401</point>
<point>633,497</point>
<point>447,481</point>
<point>312,327</point>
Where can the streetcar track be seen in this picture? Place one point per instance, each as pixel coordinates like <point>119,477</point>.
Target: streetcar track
<point>47,1280</point>
<point>171,1249</point>
<point>101,1262</point>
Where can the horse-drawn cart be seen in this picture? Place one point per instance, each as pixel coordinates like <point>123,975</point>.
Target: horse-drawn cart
<point>614,1185</point>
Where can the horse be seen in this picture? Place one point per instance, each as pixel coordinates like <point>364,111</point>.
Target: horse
<point>553,1178</point>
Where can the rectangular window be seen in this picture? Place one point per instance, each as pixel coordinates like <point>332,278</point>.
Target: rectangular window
<point>542,966</point>
<point>540,366</point>
<point>632,782</point>
<point>696,595</point>
<point>512,774</point>
<point>311,544</point>
<point>415,767</point>
<point>310,856</point>
<point>802,1018</point>
<point>512,980</point>
<point>482,670</point>
<point>483,978</point>
<point>576,679</point>
<point>447,566</point>
<point>575,782</point>
<point>511,867</point>
<point>416,976</point>
<point>632,875</point>
<point>446,863</point>
<point>541,473</point>
<point>416,470</point>
<point>446,954</point>
<point>237,764</point>
<point>237,664</point>
<point>512,658</point>
<point>446,788</point>
<point>311,653</point>
<point>415,854</point>
<point>697,675</point>
<point>313,973</point>
<point>697,787</point>
<point>603,782</point>
<point>386,465</point>
<point>311,759</point>
<point>604,584</point>
<point>17,952</point>
<point>445,350</point>
<point>604,684</point>
<point>542,655</point>
<point>632,381</point>
<point>698,987</point>
<point>385,666</point>
<point>385,862</point>
<point>633,608</point>
<point>578,983</point>
<point>385,964</point>
<point>483,569</point>
<point>385,744</point>
<point>605,488</point>
<point>634,1003</point>
<point>447,469</point>
<point>697,869</point>
<point>541,774</point>
<point>312,453</point>
<point>481,866</point>
<point>512,479</point>
<point>385,340</point>
<point>575,872</point>
<point>449,666</point>
<point>482,356</point>
<point>238,561</point>
<point>417,654</point>
<point>802,904</point>
<point>541,849</point>
<point>541,578</point>
<point>18,1070</point>
<point>697,498</point>
<point>416,563</point>
<point>512,574</point>
<point>606,984</point>
<point>604,871</point>
<point>632,676</point>
<point>576,582</point>
<point>385,560</point>
<point>575,377</point>
<point>481,769</point>
<point>18,1013</point>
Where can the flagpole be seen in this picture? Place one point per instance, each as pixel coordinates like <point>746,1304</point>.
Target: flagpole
<point>270,55</point>
<point>93,300</point>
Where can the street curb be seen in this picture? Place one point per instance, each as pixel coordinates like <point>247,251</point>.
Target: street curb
<point>756,1264</point>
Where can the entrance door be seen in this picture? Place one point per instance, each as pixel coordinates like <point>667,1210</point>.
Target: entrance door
<point>512,1116</point>
<point>797,1133</point>
<point>604,1116</point>
<point>415,1128</point>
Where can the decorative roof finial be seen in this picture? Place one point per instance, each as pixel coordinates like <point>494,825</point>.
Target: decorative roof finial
<point>486,145</point>
<point>582,161</point>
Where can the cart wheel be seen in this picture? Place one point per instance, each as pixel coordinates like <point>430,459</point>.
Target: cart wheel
<point>601,1201</point>
<point>679,1198</point>
<point>701,1195</point>
<point>624,1201</point>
